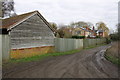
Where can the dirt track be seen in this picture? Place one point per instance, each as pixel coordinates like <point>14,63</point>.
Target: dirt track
<point>85,64</point>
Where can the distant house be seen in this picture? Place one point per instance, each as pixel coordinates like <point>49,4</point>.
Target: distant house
<point>100,33</point>
<point>68,32</point>
<point>29,30</point>
<point>90,32</point>
<point>78,32</point>
<point>93,33</point>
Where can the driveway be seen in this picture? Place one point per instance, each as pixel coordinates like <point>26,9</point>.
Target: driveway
<point>88,63</point>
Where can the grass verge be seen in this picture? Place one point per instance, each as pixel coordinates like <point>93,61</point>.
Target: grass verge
<point>112,59</point>
<point>39,57</point>
<point>95,46</point>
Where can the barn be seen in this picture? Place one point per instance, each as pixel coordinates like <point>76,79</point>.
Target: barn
<point>30,34</point>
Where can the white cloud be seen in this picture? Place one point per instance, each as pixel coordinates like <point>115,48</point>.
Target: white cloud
<point>66,11</point>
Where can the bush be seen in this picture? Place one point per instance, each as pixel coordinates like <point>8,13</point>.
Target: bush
<point>97,36</point>
<point>114,37</point>
<point>108,40</point>
<point>88,36</point>
<point>78,37</point>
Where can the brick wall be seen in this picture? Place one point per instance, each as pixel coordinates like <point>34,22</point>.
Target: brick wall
<point>29,52</point>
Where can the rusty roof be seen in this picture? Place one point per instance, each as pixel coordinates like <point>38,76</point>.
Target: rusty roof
<point>8,23</point>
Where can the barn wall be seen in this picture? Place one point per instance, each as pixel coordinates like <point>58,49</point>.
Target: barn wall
<point>31,33</point>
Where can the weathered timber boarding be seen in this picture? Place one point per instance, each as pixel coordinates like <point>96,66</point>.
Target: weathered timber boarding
<point>29,30</point>
<point>31,33</point>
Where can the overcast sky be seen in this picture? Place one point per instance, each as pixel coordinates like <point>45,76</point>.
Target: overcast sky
<point>67,11</point>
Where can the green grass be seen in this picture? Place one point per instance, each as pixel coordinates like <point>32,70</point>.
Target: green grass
<point>112,59</point>
<point>95,46</point>
<point>39,57</point>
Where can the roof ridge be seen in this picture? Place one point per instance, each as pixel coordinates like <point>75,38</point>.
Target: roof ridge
<point>8,22</point>
<point>23,14</point>
<point>11,22</point>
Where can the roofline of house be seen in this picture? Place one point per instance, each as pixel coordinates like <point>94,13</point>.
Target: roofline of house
<point>45,21</point>
<point>35,12</point>
<point>12,26</point>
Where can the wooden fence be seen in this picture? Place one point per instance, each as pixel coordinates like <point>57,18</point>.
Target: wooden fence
<point>62,44</point>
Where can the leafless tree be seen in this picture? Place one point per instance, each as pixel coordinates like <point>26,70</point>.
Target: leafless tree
<point>8,8</point>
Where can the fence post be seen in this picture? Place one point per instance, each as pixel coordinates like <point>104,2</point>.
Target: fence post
<point>5,47</point>
<point>0,57</point>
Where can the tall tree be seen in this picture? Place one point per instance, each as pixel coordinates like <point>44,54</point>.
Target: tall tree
<point>53,25</point>
<point>8,8</point>
<point>90,24</point>
<point>102,26</point>
<point>80,24</point>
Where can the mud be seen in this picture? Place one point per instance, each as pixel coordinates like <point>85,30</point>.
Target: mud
<point>88,63</point>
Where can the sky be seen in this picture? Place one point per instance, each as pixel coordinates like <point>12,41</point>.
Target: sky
<point>67,11</point>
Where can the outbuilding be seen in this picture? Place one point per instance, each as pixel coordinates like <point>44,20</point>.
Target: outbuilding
<point>27,35</point>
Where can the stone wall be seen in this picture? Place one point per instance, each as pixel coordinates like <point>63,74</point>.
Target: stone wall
<point>31,33</point>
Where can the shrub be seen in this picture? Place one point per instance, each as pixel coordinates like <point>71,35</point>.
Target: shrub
<point>78,37</point>
<point>114,37</point>
<point>108,40</point>
<point>88,36</point>
<point>97,36</point>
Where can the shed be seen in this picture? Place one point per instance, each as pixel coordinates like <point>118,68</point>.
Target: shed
<point>29,30</point>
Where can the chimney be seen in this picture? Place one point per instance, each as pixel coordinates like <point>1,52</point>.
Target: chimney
<point>86,28</point>
<point>93,28</point>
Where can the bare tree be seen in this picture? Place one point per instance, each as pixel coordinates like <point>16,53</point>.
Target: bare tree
<point>8,8</point>
<point>80,24</point>
<point>102,26</point>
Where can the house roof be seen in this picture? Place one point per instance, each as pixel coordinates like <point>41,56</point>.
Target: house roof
<point>100,30</point>
<point>11,22</point>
